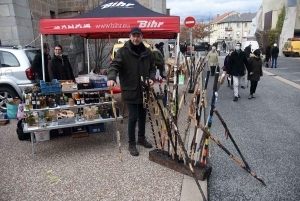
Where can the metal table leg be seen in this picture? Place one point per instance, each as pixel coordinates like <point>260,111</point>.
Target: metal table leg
<point>32,144</point>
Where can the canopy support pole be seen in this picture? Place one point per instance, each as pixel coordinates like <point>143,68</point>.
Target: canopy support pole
<point>88,54</point>
<point>43,59</point>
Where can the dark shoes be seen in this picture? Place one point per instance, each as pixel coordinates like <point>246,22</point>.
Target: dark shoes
<point>132,149</point>
<point>242,87</point>
<point>235,99</point>
<point>144,143</point>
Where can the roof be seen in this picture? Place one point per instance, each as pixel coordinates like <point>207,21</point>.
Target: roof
<point>244,17</point>
<point>221,17</point>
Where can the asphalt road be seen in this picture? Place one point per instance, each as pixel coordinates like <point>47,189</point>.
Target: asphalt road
<point>267,131</point>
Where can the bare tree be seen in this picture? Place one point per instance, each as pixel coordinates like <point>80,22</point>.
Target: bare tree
<point>99,50</point>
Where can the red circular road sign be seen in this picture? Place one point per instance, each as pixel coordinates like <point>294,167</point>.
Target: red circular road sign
<point>189,22</point>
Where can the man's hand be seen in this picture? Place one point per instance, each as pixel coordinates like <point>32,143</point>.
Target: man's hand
<point>251,73</point>
<point>111,84</point>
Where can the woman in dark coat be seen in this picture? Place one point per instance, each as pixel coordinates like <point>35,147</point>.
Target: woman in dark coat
<point>268,55</point>
<point>256,66</point>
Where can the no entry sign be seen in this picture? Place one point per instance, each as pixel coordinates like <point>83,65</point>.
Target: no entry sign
<point>189,22</point>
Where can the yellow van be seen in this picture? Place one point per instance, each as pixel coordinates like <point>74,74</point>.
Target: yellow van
<point>292,47</point>
<point>118,45</point>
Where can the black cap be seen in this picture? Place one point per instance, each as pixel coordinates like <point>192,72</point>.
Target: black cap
<point>136,30</point>
<point>161,44</point>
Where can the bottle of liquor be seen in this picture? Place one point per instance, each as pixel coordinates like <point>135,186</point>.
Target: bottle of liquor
<point>28,104</point>
<point>33,101</point>
<point>38,101</point>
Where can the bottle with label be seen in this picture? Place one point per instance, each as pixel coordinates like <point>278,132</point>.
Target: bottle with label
<point>33,101</point>
<point>28,105</point>
<point>38,101</point>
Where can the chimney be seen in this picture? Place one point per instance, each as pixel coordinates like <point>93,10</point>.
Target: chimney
<point>218,15</point>
<point>168,11</point>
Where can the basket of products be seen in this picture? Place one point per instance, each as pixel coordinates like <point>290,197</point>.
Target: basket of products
<point>98,82</point>
<point>50,87</point>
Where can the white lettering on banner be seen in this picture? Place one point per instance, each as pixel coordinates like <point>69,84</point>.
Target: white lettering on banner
<point>112,25</point>
<point>71,26</point>
<point>149,24</point>
<point>120,4</point>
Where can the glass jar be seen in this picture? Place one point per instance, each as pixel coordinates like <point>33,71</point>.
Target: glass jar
<point>71,102</point>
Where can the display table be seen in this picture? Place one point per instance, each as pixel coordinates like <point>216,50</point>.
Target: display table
<point>31,130</point>
<point>50,126</point>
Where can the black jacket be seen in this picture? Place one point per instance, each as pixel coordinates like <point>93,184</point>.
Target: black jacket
<point>38,68</point>
<point>237,64</point>
<point>60,68</point>
<point>275,52</point>
<point>247,51</point>
<point>131,66</point>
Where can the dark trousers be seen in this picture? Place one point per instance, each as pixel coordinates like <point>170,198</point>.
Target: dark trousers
<point>161,70</point>
<point>212,70</point>
<point>136,113</point>
<point>231,81</point>
<point>253,86</point>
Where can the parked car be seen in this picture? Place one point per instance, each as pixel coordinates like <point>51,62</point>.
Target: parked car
<point>292,47</point>
<point>15,71</point>
<point>199,46</point>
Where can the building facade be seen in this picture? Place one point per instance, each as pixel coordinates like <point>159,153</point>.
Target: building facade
<point>215,29</point>
<point>267,18</point>
<point>235,28</point>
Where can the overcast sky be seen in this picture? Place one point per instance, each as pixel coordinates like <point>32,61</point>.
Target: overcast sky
<point>201,9</point>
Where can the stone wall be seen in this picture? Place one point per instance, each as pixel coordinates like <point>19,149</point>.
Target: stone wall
<point>15,22</point>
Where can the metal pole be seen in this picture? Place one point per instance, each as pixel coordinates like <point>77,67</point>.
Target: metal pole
<point>191,41</point>
<point>43,59</point>
<point>88,54</point>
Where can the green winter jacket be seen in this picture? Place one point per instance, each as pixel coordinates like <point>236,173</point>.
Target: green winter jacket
<point>131,66</point>
<point>158,58</point>
<point>256,67</point>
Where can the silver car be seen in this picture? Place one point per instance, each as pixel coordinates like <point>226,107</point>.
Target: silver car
<point>15,71</point>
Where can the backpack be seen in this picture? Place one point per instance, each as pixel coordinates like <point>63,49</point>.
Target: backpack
<point>21,135</point>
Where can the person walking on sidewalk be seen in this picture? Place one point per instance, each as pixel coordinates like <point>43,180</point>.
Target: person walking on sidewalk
<point>224,47</point>
<point>225,67</point>
<point>213,60</point>
<point>275,52</point>
<point>132,61</point>
<point>256,68</point>
<point>268,56</point>
<point>236,68</point>
<point>159,60</point>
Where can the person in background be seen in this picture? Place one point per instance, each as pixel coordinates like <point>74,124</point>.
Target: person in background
<point>236,68</point>
<point>37,64</point>
<point>161,48</point>
<point>274,53</point>
<point>159,60</point>
<point>59,67</point>
<point>256,68</point>
<point>212,58</point>
<point>132,61</point>
<point>225,67</point>
<point>248,51</point>
<point>268,55</point>
<point>224,47</point>
<point>206,48</point>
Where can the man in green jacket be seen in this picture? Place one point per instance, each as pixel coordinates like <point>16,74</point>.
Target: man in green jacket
<point>159,60</point>
<point>132,61</point>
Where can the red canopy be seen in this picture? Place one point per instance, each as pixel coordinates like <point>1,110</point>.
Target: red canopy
<point>114,19</point>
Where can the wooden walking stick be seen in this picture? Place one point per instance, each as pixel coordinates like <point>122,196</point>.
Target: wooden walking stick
<point>208,134</point>
<point>116,120</point>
